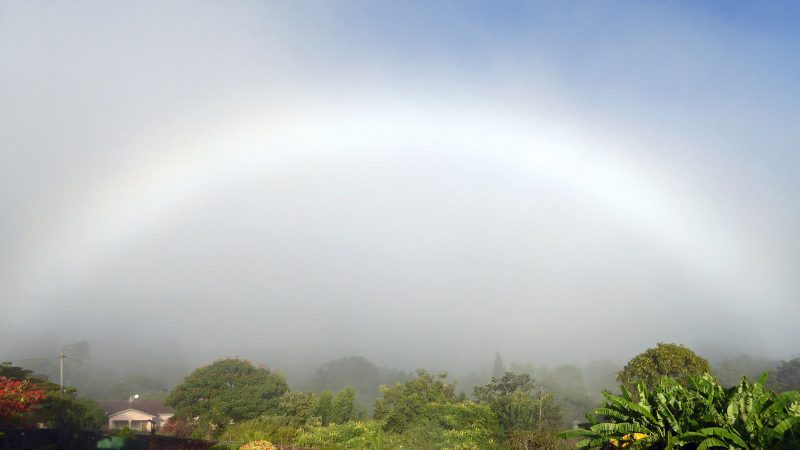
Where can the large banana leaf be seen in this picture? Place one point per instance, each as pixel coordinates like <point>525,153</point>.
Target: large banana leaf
<point>700,415</point>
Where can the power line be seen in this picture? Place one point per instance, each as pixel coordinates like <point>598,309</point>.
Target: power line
<point>110,374</point>
<point>98,370</point>
<point>27,359</point>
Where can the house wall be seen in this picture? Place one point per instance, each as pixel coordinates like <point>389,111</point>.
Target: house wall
<point>135,420</point>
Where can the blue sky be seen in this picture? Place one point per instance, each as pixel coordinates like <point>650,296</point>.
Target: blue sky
<point>723,67</point>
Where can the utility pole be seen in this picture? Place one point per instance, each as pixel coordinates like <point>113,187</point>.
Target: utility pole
<point>61,375</point>
<point>541,396</point>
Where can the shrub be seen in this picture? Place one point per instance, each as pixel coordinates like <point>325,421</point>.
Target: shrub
<point>271,428</point>
<point>258,445</point>
<point>351,435</point>
<point>431,435</point>
<point>422,435</point>
<point>126,433</point>
<point>111,443</point>
<point>535,440</point>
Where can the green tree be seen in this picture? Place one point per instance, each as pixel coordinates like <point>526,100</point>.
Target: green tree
<point>457,425</point>
<point>225,392</point>
<point>666,360</point>
<point>303,408</point>
<point>299,408</point>
<point>345,408</point>
<point>428,413</point>
<point>354,372</point>
<point>509,383</point>
<point>786,377</point>
<point>518,405</point>
<point>567,385</point>
<point>69,412</point>
<point>406,402</point>
<point>9,370</point>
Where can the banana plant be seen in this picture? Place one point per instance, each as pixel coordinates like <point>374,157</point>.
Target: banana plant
<point>701,415</point>
<point>754,418</point>
<point>625,422</point>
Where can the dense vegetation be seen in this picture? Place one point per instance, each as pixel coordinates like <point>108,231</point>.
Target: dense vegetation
<point>666,397</point>
<point>237,403</point>
<point>675,403</point>
<point>27,400</point>
<point>357,373</point>
<point>228,391</point>
<point>698,414</point>
<point>670,400</point>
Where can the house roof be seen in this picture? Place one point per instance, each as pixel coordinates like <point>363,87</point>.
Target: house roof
<point>131,409</point>
<point>152,407</point>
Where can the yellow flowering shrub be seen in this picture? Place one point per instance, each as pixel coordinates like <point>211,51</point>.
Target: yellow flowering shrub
<point>258,445</point>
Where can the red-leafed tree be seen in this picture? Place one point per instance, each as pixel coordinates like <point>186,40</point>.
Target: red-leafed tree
<point>17,397</point>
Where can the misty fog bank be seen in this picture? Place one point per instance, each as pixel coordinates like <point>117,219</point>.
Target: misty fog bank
<point>420,184</point>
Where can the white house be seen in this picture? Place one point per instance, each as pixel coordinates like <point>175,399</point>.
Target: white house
<point>140,415</point>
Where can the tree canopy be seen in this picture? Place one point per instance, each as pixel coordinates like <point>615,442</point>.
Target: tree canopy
<point>404,403</point>
<point>354,372</point>
<point>666,360</point>
<point>308,407</point>
<point>17,398</point>
<point>517,407</point>
<point>225,392</point>
<point>47,407</point>
<point>427,409</point>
